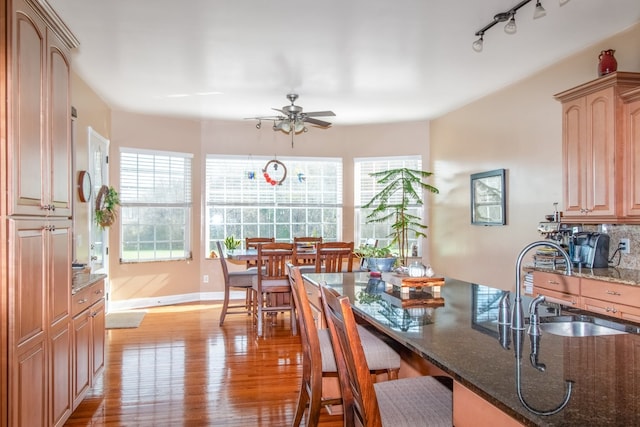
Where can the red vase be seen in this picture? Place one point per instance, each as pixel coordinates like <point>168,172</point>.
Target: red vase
<point>608,63</point>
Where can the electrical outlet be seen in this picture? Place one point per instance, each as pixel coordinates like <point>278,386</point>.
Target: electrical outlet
<point>205,278</point>
<point>624,246</point>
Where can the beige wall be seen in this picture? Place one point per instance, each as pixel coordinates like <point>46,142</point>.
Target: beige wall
<point>171,281</point>
<point>518,129</point>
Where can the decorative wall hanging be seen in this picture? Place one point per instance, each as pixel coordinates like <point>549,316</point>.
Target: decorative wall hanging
<point>106,201</point>
<point>488,204</point>
<point>274,172</point>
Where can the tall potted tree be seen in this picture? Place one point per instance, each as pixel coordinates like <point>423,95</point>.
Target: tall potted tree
<point>403,189</point>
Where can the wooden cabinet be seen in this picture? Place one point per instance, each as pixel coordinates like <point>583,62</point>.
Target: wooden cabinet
<point>39,333</point>
<point>593,149</point>
<point>611,299</point>
<point>40,144</point>
<point>35,212</point>
<point>88,338</point>
<point>632,153</point>
<point>557,286</point>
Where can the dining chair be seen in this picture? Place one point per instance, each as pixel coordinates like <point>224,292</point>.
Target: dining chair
<point>235,280</point>
<point>416,401</point>
<point>331,257</point>
<point>318,360</point>
<point>253,243</point>
<point>304,252</point>
<point>271,288</point>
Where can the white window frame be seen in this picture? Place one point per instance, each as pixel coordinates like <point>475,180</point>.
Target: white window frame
<point>365,187</point>
<point>240,203</point>
<point>164,183</point>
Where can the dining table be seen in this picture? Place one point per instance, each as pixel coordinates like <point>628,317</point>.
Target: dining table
<point>549,380</point>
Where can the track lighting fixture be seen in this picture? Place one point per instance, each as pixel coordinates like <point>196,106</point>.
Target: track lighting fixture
<point>510,18</point>
<point>539,11</point>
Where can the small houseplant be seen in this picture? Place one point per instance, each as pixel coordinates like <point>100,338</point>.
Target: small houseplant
<point>107,200</point>
<point>231,243</point>
<point>402,190</point>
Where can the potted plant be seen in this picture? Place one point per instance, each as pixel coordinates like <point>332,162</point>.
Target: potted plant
<point>403,189</point>
<point>231,243</point>
<point>375,258</point>
<point>106,201</point>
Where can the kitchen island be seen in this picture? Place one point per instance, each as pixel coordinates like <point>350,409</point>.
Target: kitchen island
<point>459,334</point>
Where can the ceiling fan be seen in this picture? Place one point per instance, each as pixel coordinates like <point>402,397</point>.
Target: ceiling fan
<point>293,120</point>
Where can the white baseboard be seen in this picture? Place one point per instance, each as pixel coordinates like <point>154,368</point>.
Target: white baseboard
<point>171,300</point>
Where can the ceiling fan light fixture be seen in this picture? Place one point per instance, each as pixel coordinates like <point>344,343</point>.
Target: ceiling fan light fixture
<point>299,126</point>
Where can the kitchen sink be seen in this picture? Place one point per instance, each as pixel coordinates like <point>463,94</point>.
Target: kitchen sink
<point>584,326</point>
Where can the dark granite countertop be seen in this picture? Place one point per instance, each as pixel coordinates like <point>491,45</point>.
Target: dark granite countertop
<point>462,337</point>
<point>82,280</point>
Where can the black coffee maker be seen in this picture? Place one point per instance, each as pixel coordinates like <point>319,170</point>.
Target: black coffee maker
<point>590,249</point>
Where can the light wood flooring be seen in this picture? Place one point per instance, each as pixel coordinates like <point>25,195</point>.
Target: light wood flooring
<point>179,368</point>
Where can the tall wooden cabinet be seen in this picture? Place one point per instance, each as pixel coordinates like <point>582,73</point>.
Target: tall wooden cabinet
<point>35,274</point>
<point>593,151</point>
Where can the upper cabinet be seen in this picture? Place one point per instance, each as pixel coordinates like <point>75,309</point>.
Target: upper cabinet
<point>632,153</point>
<point>40,150</point>
<point>594,145</point>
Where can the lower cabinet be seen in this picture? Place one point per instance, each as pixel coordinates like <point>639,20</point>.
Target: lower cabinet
<point>88,339</point>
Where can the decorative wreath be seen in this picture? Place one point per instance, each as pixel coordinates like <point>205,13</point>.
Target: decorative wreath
<point>106,200</point>
<point>267,177</point>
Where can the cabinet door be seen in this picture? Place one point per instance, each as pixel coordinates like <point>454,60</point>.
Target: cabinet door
<point>27,151</point>
<point>60,254</point>
<point>632,156</point>
<point>59,127</point>
<point>60,373</point>
<point>589,150</point>
<point>28,391</point>
<point>27,276</point>
<point>574,153</point>
<point>98,334</point>
<point>81,356</point>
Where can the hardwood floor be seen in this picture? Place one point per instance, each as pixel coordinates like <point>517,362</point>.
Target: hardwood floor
<point>179,368</point>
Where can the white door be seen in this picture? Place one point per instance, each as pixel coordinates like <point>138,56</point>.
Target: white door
<point>99,171</point>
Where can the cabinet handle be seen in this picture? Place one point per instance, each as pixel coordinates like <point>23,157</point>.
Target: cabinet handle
<point>98,291</point>
<point>553,282</point>
<point>613,293</point>
<point>82,301</point>
<point>611,309</point>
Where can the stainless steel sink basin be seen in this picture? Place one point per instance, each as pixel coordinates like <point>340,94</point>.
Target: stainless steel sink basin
<point>583,326</point>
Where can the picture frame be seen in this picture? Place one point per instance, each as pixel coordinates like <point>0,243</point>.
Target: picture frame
<point>488,198</point>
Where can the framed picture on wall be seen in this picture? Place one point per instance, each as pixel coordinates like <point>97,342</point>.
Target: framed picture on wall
<point>488,204</point>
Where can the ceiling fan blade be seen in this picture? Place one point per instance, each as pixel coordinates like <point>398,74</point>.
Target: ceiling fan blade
<point>279,110</point>
<point>320,113</point>
<point>317,122</point>
<point>265,118</point>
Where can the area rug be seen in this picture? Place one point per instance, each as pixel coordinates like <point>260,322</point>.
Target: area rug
<point>124,319</point>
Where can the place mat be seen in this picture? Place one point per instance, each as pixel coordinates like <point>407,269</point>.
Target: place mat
<point>124,319</point>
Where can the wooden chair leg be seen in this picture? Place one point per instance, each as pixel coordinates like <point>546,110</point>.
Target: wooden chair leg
<point>392,374</point>
<point>225,305</point>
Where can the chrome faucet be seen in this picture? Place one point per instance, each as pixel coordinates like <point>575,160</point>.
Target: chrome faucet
<point>517,316</point>
<point>534,319</point>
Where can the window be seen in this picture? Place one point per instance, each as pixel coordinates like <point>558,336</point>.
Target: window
<point>365,187</point>
<point>155,197</point>
<point>240,203</point>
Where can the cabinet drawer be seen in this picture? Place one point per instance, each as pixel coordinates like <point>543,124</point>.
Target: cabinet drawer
<point>568,299</point>
<point>612,292</point>
<point>557,282</point>
<point>86,297</point>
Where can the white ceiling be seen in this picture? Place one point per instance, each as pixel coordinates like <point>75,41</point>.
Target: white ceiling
<point>366,60</point>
